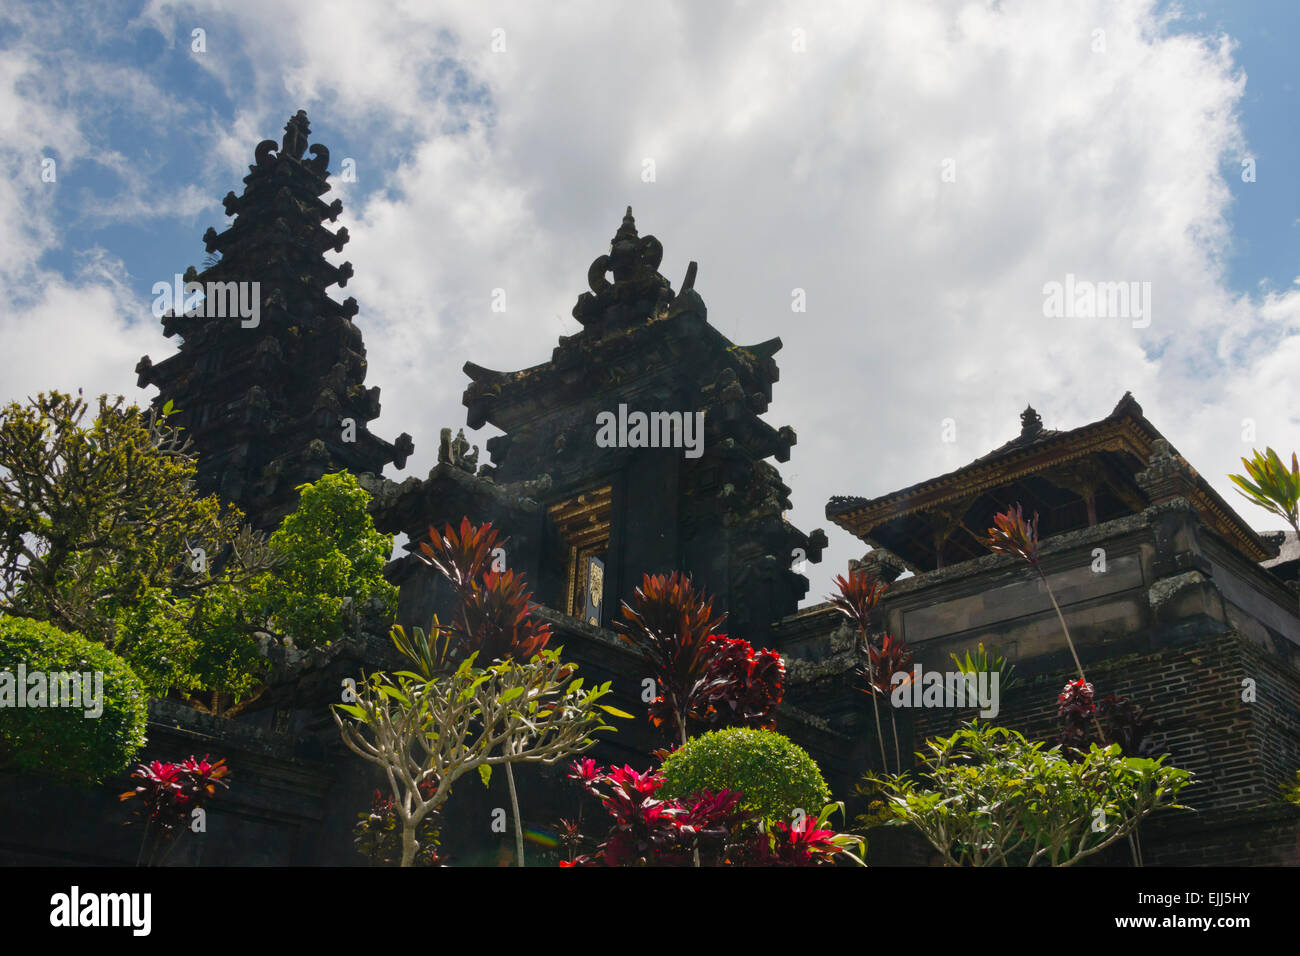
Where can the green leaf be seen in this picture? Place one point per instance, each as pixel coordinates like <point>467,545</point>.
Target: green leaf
<point>485,773</point>
<point>511,694</point>
<point>615,711</point>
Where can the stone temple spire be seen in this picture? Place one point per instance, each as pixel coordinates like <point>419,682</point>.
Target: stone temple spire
<point>272,394</point>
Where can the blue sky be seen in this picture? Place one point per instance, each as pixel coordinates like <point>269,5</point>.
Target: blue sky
<point>497,144</point>
<point>1266,214</point>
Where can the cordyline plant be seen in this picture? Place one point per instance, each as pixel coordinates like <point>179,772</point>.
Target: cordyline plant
<point>493,619</point>
<point>986,796</point>
<point>1012,534</point>
<point>807,842</point>
<point>1269,484</point>
<point>705,679</point>
<point>1125,720</point>
<point>168,795</point>
<point>859,594</point>
<point>648,831</point>
<point>893,657</point>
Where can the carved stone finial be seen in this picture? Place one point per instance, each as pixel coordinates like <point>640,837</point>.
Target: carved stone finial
<point>627,230</point>
<point>630,257</point>
<point>1030,423</point>
<point>296,132</point>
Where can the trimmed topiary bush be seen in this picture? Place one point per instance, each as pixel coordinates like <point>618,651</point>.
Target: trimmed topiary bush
<point>776,775</point>
<point>62,741</point>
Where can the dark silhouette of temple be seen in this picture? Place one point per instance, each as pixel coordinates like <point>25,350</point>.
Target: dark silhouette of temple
<point>276,400</point>
<point>1171,597</point>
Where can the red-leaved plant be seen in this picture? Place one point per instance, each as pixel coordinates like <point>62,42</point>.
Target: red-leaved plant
<point>858,596</point>
<point>709,827</point>
<point>647,831</point>
<point>801,843</point>
<point>494,615</point>
<point>1125,721</point>
<point>704,678</point>
<point>893,657</point>
<point>169,793</point>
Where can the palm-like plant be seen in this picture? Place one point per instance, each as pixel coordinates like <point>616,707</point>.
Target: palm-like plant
<point>1012,534</point>
<point>1270,485</point>
<point>892,658</point>
<point>859,594</point>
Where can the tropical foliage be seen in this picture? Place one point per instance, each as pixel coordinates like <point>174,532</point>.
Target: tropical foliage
<point>986,796</point>
<point>170,797</point>
<point>858,596</point>
<point>704,679</point>
<point>647,828</point>
<point>456,712</point>
<point>102,534</point>
<point>1272,486</point>
<point>331,563</point>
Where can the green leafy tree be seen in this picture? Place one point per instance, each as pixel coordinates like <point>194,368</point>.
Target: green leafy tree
<point>103,534</point>
<point>332,560</point>
<point>427,733</point>
<point>986,796</point>
<point>69,741</point>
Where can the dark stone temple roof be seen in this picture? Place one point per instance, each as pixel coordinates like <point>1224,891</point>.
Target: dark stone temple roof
<point>1074,478</point>
<point>560,495</point>
<point>271,405</point>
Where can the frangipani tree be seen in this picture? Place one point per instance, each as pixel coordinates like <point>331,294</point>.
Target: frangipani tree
<point>434,731</point>
<point>485,690</point>
<point>986,796</point>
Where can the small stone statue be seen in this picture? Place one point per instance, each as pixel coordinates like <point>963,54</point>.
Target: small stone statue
<point>457,451</point>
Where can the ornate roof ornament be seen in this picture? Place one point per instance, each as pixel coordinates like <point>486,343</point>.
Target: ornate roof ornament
<point>1031,426</point>
<point>630,257</point>
<point>296,132</point>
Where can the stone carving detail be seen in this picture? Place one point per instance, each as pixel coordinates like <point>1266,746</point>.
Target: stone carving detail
<point>629,257</point>
<point>456,451</point>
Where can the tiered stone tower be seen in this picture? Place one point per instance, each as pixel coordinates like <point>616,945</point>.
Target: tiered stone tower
<point>273,399</point>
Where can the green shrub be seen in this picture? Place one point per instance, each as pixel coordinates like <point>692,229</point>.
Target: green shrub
<point>62,741</point>
<point>776,775</point>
